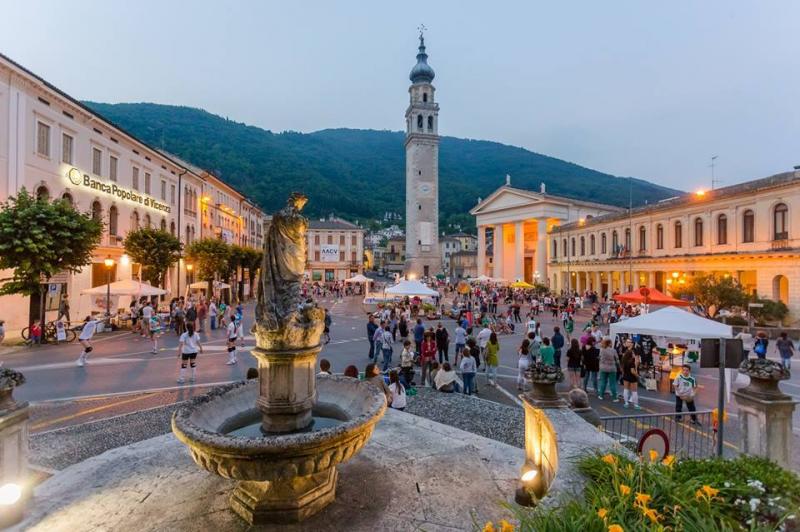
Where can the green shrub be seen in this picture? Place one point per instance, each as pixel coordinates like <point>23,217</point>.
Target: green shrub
<point>688,495</point>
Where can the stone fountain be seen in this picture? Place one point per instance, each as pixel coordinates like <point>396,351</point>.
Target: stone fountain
<point>282,436</point>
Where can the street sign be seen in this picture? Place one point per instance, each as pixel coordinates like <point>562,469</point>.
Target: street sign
<point>53,289</point>
<point>654,440</point>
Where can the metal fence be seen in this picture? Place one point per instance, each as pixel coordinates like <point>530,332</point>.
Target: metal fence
<point>685,439</point>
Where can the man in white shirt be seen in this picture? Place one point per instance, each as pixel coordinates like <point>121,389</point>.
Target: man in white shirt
<point>147,313</point>
<point>232,333</point>
<point>483,339</point>
<point>85,339</point>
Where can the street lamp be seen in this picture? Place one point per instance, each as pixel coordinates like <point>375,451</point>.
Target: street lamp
<point>189,279</point>
<point>109,262</point>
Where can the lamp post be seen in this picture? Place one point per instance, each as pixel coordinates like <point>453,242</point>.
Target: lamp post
<point>109,262</point>
<point>189,268</point>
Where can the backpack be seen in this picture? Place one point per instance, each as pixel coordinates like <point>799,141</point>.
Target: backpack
<point>760,348</point>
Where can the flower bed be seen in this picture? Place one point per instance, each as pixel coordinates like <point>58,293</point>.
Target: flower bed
<point>624,495</point>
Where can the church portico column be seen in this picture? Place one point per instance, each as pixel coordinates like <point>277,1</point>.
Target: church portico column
<point>651,279</point>
<point>497,270</point>
<point>541,247</point>
<point>481,250</point>
<point>598,282</point>
<point>519,251</point>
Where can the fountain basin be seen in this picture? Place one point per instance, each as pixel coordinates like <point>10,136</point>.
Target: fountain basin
<point>283,477</point>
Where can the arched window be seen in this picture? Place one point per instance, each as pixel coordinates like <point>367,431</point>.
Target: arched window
<point>642,238</point>
<point>698,231</point>
<point>66,196</point>
<point>97,211</point>
<point>583,246</point>
<point>572,247</point>
<point>748,226</point>
<point>430,123</point>
<point>780,221</point>
<point>419,122</point>
<point>147,222</point>
<point>113,220</point>
<point>42,193</point>
<point>135,221</point>
<point>193,233</point>
<point>564,247</point>
<point>555,248</point>
<point>424,96</point>
<point>603,244</point>
<point>678,235</point>
<point>722,229</point>
<point>163,224</point>
<point>659,236</point>
<point>591,245</point>
<point>172,228</point>
<point>188,235</point>
<point>614,242</point>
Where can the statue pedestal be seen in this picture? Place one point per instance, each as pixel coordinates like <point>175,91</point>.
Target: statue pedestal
<point>286,388</point>
<point>765,421</point>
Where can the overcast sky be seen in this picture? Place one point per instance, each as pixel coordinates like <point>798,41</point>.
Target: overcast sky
<point>649,89</point>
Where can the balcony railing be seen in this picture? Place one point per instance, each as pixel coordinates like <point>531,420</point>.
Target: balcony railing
<point>113,240</point>
<point>781,241</point>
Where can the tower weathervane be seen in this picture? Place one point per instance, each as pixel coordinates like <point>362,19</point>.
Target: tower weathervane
<point>421,28</point>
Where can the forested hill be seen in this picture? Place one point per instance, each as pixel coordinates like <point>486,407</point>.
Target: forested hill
<point>358,174</point>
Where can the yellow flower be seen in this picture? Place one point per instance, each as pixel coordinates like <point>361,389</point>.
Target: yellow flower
<point>653,455</point>
<point>699,495</point>
<point>610,459</point>
<point>615,528</point>
<point>650,514</point>
<point>602,513</point>
<point>669,460</point>
<point>642,498</point>
<point>488,527</point>
<point>709,491</point>
<point>624,490</point>
<point>505,526</point>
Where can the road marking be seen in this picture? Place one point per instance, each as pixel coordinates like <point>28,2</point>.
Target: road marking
<point>91,362</point>
<point>88,411</point>
<point>132,392</point>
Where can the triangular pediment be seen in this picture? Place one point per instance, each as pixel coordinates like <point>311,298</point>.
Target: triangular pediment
<point>506,198</point>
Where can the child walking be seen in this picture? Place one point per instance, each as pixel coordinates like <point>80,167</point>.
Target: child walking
<point>188,347</point>
<point>85,339</point>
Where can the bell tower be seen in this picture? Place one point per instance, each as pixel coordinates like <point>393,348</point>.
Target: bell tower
<point>423,255</point>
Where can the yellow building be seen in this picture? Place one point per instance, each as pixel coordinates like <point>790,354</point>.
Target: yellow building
<point>749,231</point>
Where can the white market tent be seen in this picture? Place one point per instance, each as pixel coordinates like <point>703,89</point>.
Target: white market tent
<point>410,288</point>
<point>202,285</point>
<point>673,322</point>
<point>125,288</point>
<point>358,279</point>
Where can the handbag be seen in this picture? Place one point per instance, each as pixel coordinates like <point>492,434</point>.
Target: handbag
<point>650,384</point>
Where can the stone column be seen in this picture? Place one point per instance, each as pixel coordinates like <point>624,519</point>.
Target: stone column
<point>498,251</point>
<point>519,252</point>
<point>651,279</point>
<point>610,277</point>
<point>598,282</point>
<point>481,250</point>
<point>765,413</point>
<point>541,247</point>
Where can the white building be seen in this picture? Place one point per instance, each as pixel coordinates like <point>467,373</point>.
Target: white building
<point>518,221</point>
<point>335,250</point>
<point>53,145</point>
<point>423,256</point>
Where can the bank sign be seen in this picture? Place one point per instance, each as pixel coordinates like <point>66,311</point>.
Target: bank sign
<point>79,179</point>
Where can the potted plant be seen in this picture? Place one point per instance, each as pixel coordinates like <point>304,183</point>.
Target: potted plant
<point>9,379</point>
<point>764,377</point>
<point>543,379</point>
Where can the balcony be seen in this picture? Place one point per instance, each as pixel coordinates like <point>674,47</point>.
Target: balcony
<point>781,241</point>
<point>113,240</point>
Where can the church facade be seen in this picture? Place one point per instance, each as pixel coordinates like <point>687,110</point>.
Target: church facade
<point>423,253</point>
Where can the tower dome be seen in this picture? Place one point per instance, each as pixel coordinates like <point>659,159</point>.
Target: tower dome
<point>422,71</point>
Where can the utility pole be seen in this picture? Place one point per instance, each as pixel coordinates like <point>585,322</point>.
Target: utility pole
<point>713,178</point>
<point>630,232</point>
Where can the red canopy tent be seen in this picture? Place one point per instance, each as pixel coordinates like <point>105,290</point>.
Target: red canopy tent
<point>650,296</point>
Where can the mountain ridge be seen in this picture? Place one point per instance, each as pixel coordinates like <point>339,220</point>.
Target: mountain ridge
<point>360,173</point>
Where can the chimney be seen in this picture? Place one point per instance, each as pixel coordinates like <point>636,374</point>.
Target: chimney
<point>542,188</point>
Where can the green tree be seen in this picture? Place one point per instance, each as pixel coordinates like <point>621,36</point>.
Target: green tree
<point>772,311</point>
<point>236,262</point>
<point>252,262</point>
<point>39,238</point>
<point>210,257</point>
<point>707,290</point>
<point>155,250</point>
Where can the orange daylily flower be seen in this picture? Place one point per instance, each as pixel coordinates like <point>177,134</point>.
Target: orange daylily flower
<point>669,460</point>
<point>643,498</point>
<point>505,526</point>
<point>488,527</point>
<point>602,513</point>
<point>615,528</point>
<point>651,514</point>
<point>610,459</point>
<point>624,490</point>
<point>709,491</point>
<point>653,455</point>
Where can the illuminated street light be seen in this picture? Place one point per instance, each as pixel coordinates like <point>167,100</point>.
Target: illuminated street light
<point>109,262</point>
<point>700,193</point>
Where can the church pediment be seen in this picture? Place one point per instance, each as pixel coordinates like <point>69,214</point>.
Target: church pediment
<point>506,198</point>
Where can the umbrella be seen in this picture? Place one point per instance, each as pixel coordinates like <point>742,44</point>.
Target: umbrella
<point>521,284</point>
<point>200,285</point>
<point>125,288</point>
<point>410,288</point>
<point>673,322</point>
<point>358,279</point>
<point>651,296</point>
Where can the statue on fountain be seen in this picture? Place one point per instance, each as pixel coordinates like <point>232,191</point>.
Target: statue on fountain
<point>283,321</point>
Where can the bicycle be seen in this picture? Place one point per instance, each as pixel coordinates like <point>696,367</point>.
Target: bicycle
<point>49,334</point>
